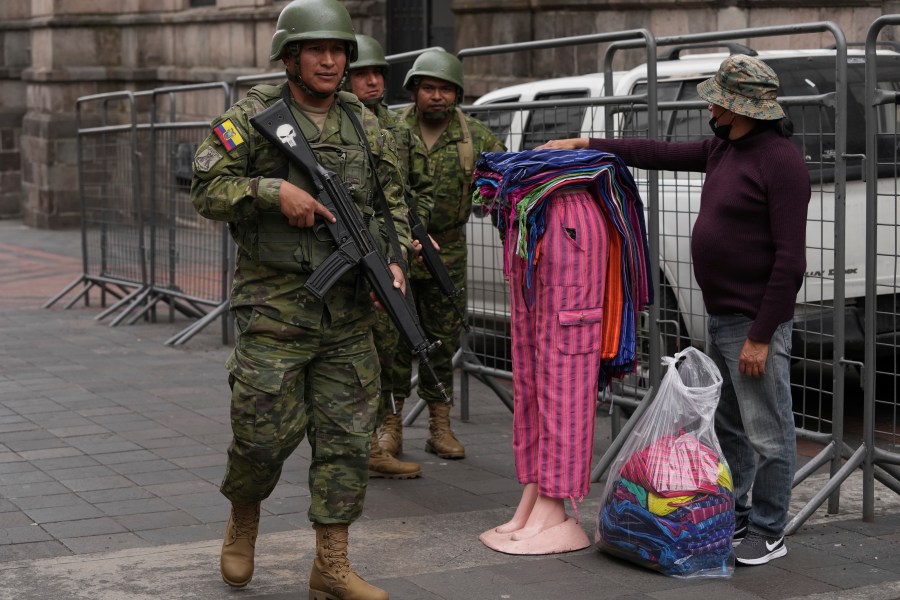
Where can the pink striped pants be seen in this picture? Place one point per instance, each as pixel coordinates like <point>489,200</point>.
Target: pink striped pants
<point>556,348</point>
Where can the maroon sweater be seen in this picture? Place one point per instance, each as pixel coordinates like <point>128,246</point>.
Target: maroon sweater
<point>749,242</point>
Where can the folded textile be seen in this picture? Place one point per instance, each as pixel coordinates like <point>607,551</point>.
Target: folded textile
<point>514,188</point>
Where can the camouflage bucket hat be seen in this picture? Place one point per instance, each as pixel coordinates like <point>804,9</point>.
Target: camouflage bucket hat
<point>744,85</point>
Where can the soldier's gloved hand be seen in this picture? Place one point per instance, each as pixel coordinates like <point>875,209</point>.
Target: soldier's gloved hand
<point>300,207</point>
<point>399,283</point>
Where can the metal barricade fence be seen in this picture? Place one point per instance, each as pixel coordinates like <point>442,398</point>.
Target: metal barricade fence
<point>881,442</point>
<point>818,108</point>
<point>142,241</point>
<point>112,219</point>
<point>190,266</point>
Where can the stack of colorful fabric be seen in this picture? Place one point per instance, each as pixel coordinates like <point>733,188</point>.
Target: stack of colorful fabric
<point>671,509</point>
<point>513,188</point>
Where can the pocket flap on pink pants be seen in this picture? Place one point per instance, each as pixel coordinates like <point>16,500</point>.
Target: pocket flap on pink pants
<point>581,316</point>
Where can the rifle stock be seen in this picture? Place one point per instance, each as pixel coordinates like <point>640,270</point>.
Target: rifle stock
<point>354,241</point>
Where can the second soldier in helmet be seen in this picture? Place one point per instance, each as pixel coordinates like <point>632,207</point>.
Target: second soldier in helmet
<point>367,80</point>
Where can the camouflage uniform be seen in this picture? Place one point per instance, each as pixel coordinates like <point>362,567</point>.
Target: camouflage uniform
<point>446,223</point>
<point>413,158</point>
<point>300,367</point>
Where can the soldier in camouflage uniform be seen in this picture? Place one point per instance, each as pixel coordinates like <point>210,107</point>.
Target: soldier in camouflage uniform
<point>367,81</point>
<point>453,140</point>
<point>301,367</point>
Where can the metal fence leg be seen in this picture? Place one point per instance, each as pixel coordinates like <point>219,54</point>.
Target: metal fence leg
<point>617,442</point>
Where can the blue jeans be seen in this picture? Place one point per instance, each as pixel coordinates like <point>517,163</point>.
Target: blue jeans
<point>755,423</point>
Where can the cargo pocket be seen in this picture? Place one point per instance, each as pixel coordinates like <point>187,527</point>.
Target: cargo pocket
<point>579,330</point>
<point>368,376</point>
<point>266,411</point>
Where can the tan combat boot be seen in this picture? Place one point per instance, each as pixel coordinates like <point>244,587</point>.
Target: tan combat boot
<point>332,578</point>
<point>383,465</point>
<point>391,436</point>
<point>441,440</point>
<point>236,561</point>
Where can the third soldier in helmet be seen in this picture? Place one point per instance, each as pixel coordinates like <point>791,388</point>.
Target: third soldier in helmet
<point>453,140</point>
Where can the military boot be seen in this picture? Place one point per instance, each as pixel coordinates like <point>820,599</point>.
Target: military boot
<point>382,464</point>
<point>391,436</point>
<point>332,578</point>
<point>441,440</point>
<point>236,561</point>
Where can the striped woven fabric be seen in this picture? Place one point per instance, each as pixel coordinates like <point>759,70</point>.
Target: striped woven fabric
<point>513,187</point>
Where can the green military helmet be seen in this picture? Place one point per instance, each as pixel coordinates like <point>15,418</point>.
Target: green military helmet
<point>439,64</point>
<point>303,20</point>
<point>369,53</point>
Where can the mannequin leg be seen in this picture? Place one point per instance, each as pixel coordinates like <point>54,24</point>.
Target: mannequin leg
<point>523,511</point>
<point>529,495</point>
<point>547,513</point>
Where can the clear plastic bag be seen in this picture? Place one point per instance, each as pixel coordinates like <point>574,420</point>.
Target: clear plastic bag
<point>668,503</point>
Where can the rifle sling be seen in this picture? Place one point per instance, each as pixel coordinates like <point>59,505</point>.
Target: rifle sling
<point>379,190</point>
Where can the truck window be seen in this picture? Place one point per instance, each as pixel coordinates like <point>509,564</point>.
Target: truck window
<point>545,124</point>
<point>499,121</point>
<point>634,119</point>
<point>814,126</point>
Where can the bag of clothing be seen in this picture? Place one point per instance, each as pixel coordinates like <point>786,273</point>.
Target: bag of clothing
<point>668,503</point>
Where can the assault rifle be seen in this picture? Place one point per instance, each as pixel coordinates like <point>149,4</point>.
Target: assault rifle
<point>435,266</point>
<point>354,241</point>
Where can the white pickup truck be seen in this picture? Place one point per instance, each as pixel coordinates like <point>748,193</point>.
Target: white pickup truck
<point>802,73</point>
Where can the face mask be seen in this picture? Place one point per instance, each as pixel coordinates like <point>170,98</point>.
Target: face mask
<point>720,131</point>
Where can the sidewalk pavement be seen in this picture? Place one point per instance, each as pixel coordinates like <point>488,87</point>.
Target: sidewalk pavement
<point>112,446</point>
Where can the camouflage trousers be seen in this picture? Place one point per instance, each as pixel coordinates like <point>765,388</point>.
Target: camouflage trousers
<point>440,322</point>
<point>387,339</point>
<point>288,383</point>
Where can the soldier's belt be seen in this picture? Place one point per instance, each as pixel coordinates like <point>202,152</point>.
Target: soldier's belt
<point>451,235</point>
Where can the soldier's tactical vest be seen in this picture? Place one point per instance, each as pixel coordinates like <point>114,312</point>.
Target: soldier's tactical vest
<point>282,246</point>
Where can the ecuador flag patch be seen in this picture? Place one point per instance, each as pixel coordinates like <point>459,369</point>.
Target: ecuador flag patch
<point>228,135</point>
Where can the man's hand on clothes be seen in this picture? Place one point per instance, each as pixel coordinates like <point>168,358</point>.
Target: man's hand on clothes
<point>569,144</point>
<point>300,207</point>
<point>752,362</point>
<point>399,283</point>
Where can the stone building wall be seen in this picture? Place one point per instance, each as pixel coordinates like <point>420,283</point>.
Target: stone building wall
<point>54,51</point>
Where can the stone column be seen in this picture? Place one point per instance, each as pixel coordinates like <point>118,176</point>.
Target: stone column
<point>15,45</point>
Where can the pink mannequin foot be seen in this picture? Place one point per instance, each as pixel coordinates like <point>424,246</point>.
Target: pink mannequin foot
<point>567,536</point>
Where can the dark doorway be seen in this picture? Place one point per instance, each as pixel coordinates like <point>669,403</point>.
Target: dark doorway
<point>413,25</point>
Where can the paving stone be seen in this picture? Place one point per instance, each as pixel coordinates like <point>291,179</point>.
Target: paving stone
<point>155,520</point>
<point>32,551</point>
<point>69,512</point>
<point>24,534</point>
<point>96,483</point>
<point>83,528</point>
<point>104,543</point>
